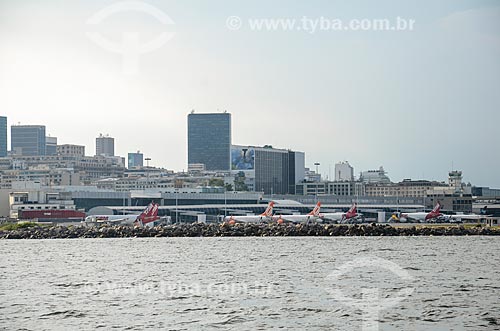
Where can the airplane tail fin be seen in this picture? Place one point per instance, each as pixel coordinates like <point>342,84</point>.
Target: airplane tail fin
<point>315,211</point>
<point>269,210</point>
<point>146,212</point>
<point>437,208</point>
<point>150,214</point>
<point>154,211</point>
<point>352,212</point>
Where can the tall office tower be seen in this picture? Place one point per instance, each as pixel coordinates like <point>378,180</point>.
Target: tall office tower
<point>268,169</point>
<point>209,140</point>
<point>297,170</point>
<point>3,136</point>
<point>28,139</point>
<point>135,160</point>
<point>105,145</point>
<point>50,145</point>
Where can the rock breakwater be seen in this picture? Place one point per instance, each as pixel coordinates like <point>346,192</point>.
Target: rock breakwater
<point>243,230</point>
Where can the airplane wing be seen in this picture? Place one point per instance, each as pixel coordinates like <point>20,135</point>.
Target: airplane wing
<point>292,220</point>
<point>122,221</point>
<point>117,220</point>
<point>331,217</point>
<point>247,220</point>
<point>470,217</point>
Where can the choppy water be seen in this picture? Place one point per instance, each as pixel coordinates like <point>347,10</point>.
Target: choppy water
<point>250,283</point>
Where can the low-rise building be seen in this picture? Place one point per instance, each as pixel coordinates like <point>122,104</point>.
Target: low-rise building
<point>30,197</point>
<point>59,169</point>
<point>375,176</point>
<point>485,192</point>
<point>71,150</point>
<point>340,188</point>
<point>406,188</point>
<point>196,167</point>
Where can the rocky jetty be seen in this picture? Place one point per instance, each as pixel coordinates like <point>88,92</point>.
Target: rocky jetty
<point>243,230</point>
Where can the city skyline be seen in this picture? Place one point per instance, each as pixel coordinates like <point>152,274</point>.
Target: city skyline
<point>244,165</point>
<point>330,176</point>
<point>415,102</point>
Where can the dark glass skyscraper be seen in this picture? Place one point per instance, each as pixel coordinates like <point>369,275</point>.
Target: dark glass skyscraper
<point>135,160</point>
<point>3,136</point>
<point>272,170</point>
<point>209,140</point>
<point>28,139</point>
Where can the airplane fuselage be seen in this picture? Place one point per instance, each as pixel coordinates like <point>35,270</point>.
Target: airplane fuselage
<point>296,218</point>
<point>339,217</point>
<point>118,219</point>
<point>248,219</point>
<point>333,216</point>
<point>421,217</point>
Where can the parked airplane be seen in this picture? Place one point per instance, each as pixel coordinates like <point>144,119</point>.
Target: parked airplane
<point>150,214</point>
<point>311,216</point>
<point>266,216</point>
<point>423,216</point>
<point>342,217</point>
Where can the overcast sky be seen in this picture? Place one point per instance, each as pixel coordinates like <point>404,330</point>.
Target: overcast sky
<point>415,102</point>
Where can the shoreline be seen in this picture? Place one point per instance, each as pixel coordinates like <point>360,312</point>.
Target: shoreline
<point>244,230</point>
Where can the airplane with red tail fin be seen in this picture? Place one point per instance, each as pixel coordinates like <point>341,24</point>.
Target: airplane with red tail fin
<point>346,217</point>
<point>310,217</point>
<point>148,215</point>
<point>151,216</point>
<point>266,216</point>
<point>424,216</point>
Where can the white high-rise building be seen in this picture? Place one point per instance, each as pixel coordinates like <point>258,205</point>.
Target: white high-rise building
<point>344,172</point>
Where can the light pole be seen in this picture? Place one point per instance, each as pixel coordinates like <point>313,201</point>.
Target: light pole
<point>176,203</point>
<point>319,178</point>
<point>225,203</point>
<point>147,167</point>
